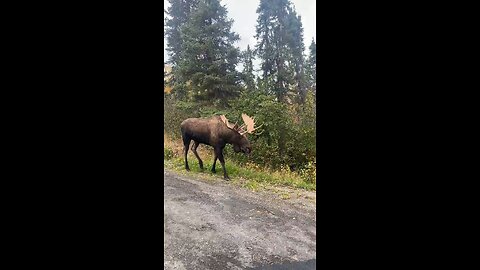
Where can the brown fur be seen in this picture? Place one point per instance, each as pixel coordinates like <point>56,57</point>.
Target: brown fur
<point>212,131</point>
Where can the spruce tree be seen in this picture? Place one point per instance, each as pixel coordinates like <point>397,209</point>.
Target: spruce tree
<point>296,60</point>
<point>312,66</point>
<point>208,58</point>
<point>280,48</point>
<point>248,76</point>
<point>178,14</point>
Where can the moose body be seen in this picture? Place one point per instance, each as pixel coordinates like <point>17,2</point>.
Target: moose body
<point>216,132</point>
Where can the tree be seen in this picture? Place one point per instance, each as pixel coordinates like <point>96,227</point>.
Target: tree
<point>248,76</point>
<point>179,12</point>
<point>280,48</point>
<point>208,58</point>
<point>296,53</point>
<point>311,67</point>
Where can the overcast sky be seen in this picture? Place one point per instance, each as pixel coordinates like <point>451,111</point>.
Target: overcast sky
<point>243,12</point>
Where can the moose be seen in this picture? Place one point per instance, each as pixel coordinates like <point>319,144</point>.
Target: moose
<point>216,131</point>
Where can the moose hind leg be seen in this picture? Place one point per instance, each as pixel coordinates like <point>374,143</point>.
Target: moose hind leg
<point>186,144</point>
<point>194,149</point>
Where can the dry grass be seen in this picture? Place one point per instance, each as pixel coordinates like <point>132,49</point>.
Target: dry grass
<point>249,175</point>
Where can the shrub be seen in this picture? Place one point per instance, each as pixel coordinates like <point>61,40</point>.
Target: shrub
<point>309,173</point>
<point>167,153</point>
<point>174,113</point>
<point>288,137</point>
<point>288,132</point>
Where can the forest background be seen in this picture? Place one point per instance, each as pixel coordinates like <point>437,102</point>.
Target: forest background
<point>206,74</point>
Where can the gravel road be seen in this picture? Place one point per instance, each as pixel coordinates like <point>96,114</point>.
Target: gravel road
<point>214,225</point>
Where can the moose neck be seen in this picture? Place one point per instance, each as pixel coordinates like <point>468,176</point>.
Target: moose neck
<point>232,137</point>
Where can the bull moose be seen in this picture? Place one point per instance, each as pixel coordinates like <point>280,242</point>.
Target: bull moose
<point>216,131</point>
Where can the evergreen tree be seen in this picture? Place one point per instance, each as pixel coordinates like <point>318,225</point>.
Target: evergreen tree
<point>266,47</point>
<point>208,58</point>
<point>178,14</point>
<point>296,62</point>
<point>248,76</point>
<point>312,66</point>
<point>280,47</point>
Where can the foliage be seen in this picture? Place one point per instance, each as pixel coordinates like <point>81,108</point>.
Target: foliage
<point>204,81</point>
<point>178,14</point>
<point>167,153</point>
<point>174,113</point>
<point>247,74</point>
<point>248,175</point>
<point>288,132</point>
<point>208,57</point>
<point>311,66</point>
<point>287,136</point>
<point>280,47</point>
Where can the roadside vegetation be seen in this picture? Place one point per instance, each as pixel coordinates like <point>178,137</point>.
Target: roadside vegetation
<point>248,174</point>
<point>207,75</point>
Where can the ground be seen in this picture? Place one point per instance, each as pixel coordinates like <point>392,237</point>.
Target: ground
<point>216,225</point>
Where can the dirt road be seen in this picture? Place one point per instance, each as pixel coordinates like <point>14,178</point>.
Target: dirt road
<point>218,226</point>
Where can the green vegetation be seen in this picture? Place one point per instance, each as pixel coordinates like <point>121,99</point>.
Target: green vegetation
<point>247,175</point>
<point>205,81</point>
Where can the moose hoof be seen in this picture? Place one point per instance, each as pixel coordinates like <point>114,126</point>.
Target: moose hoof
<point>213,171</point>
<point>188,169</point>
<point>226,178</point>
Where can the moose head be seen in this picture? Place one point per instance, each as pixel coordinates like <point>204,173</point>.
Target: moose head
<point>241,143</point>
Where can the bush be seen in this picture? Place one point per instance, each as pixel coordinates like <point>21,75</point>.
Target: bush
<point>167,153</point>
<point>174,114</point>
<point>287,138</point>
<point>309,173</point>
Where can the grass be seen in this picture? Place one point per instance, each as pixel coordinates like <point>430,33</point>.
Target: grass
<point>250,176</point>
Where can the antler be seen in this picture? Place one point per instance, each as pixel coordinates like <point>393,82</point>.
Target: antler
<point>249,123</point>
<point>225,120</point>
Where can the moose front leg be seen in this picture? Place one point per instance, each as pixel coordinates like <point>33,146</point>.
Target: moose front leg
<point>194,149</point>
<point>219,154</point>
<point>215,157</point>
